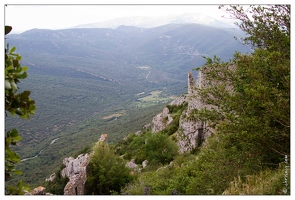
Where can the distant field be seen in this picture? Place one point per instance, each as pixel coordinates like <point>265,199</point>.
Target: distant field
<point>154,98</point>
<point>145,67</point>
<point>114,115</point>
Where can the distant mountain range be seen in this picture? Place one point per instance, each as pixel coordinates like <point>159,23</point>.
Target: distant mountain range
<point>150,22</point>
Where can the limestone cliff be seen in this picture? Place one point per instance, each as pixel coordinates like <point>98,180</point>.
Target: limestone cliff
<point>75,170</point>
<point>191,132</point>
<point>161,121</point>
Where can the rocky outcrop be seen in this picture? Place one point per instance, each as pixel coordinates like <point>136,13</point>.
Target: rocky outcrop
<point>38,191</point>
<point>191,132</point>
<point>161,121</point>
<point>178,101</point>
<point>51,178</point>
<point>104,138</point>
<point>132,165</point>
<point>164,119</point>
<point>75,170</point>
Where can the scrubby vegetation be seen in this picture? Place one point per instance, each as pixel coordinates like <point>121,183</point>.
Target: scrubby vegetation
<point>58,184</point>
<point>268,182</point>
<point>175,112</point>
<point>106,172</point>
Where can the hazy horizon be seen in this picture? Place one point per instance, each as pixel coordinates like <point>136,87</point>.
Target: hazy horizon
<point>27,17</point>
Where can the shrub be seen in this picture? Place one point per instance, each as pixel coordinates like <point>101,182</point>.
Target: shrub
<point>58,184</point>
<point>268,182</point>
<point>106,172</point>
<point>161,148</point>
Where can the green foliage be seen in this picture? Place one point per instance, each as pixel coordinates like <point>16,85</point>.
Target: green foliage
<point>19,103</point>
<point>132,147</point>
<point>106,172</point>
<point>153,165</point>
<point>161,148</point>
<point>164,180</point>
<point>175,112</point>
<point>270,27</point>
<point>11,157</point>
<point>231,158</point>
<point>252,92</point>
<point>84,150</point>
<point>20,189</point>
<point>267,182</point>
<point>177,108</point>
<point>58,184</point>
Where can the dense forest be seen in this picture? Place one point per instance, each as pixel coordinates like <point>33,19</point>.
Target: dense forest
<point>248,94</point>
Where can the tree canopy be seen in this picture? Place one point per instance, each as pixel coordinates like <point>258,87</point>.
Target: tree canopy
<point>252,92</point>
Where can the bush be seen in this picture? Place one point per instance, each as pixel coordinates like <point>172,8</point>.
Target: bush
<point>58,184</point>
<point>161,148</point>
<point>218,162</point>
<point>106,172</point>
<point>268,182</point>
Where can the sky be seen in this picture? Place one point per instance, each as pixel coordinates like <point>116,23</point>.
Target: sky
<point>26,17</point>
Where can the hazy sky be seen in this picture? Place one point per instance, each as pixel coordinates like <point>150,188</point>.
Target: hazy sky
<point>25,17</point>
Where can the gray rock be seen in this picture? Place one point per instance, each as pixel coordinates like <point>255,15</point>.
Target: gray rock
<point>161,121</point>
<point>144,163</point>
<point>131,164</point>
<point>51,178</point>
<point>75,170</point>
<point>192,132</point>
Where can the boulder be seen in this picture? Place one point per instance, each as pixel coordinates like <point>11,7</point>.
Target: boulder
<point>131,164</point>
<point>75,170</point>
<point>144,163</point>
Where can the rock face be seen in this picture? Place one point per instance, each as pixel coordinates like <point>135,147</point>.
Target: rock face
<point>75,170</point>
<point>161,121</point>
<point>164,119</point>
<point>191,132</point>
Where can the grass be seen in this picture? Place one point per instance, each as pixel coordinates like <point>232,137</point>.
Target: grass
<point>154,98</point>
<point>114,115</point>
<point>268,182</point>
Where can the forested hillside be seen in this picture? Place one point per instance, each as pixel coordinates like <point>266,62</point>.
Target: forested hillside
<point>81,78</point>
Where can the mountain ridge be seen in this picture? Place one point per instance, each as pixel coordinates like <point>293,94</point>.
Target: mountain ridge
<point>152,22</point>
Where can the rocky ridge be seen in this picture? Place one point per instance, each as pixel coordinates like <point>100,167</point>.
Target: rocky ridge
<point>191,132</point>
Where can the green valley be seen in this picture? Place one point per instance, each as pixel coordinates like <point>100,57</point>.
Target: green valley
<point>87,82</point>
